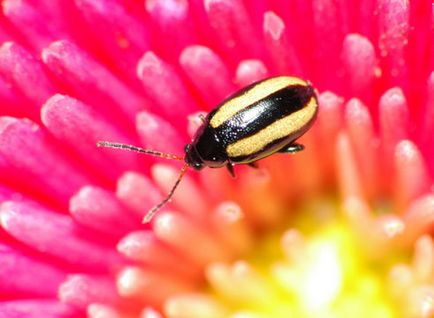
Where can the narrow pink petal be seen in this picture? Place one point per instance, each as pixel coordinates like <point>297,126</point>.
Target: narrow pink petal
<point>123,35</point>
<point>77,125</point>
<point>56,235</point>
<point>307,168</point>
<point>328,38</point>
<point>104,311</point>
<point>231,224</point>
<point>366,144</point>
<point>174,101</point>
<point>14,103</point>
<point>394,117</point>
<point>81,290</point>
<point>99,209</point>
<point>411,175</point>
<point>83,74</point>
<point>143,246</point>
<point>197,305</point>
<point>360,63</point>
<point>137,192</point>
<point>37,309</point>
<point>226,17</point>
<point>187,193</point>
<point>328,125</point>
<point>201,65</point>
<point>21,275</point>
<point>360,217</point>
<point>366,11</point>
<point>394,124</point>
<point>135,282</point>
<point>347,169</point>
<point>25,73</point>
<point>169,15</point>
<point>30,18</point>
<point>427,120</point>
<point>158,134</point>
<point>393,17</point>
<point>283,54</point>
<point>423,258</point>
<point>255,193</point>
<point>181,234</point>
<point>150,313</point>
<point>419,217</point>
<point>22,145</point>
<point>249,71</point>
<point>421,21</point>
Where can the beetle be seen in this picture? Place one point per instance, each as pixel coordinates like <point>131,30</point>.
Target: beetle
<point>261,119</point>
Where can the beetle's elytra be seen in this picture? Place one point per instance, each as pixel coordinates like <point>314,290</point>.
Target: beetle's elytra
<point>263,118</point>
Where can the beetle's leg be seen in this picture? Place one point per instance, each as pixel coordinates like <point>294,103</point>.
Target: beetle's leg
<point>230,168</point>
<point>292,148</point>
<point>202,118</point>
<point>253,165</point>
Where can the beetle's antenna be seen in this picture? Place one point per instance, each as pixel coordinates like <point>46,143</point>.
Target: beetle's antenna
<point>117,145</point>
<point>151,212</point>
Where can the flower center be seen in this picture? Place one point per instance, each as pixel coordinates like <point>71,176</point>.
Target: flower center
<point>318,270</point>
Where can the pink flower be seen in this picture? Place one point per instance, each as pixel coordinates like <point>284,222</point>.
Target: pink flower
<point>343,229</point>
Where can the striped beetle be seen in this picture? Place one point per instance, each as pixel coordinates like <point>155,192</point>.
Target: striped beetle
<point>263,118</point>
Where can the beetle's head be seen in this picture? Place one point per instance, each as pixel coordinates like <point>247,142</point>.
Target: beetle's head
<point>192,158</point>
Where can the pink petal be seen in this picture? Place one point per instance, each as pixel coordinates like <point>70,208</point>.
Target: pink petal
<point>134,282</point>
<point>169,15</point>
<point>187,192</point>
<point>24,276</point>
<point>181,233</point>
<point>30,18</point>
<point>83,74</point>
<point>412,178</point>
<point>36,309</point>
<point>56,235</point>
<point>360,62</point>
<point>393,17</point>
<point>278,44</point>
<point>123,35</point>
<point>155,133</point>
<point>143,246</point>
<point>347,169</point>
<point>25,72</point>
<point>99,209</point>
<point>81,290</point>
<point>174,101</point>
<point>22,145</point>
<point>419,217</point>
<point>366,144</point>
<point>329,25</point>
<point>137,192</point>
<point>249,71</point>
<point>226,17</point>
<point>77,125</point>
<point>394,123</point>
<point>201,64</point>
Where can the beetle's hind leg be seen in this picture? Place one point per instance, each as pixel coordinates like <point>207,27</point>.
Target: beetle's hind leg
<point>230,168</point>
<point>292,148</point>
<point>253,165</point>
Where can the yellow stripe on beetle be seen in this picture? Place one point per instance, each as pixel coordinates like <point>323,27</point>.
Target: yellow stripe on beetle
<point>257,92</point>
<point>277,130</point>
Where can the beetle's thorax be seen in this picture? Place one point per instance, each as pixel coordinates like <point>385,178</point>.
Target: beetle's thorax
<point>206,149</point>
